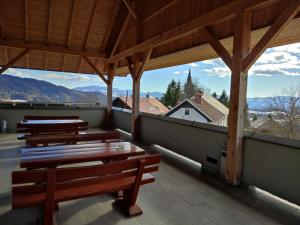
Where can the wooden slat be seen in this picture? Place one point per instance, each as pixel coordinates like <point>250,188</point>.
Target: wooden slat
<point>95,69</point>
<point>46,61</point>
<point>160,10</point>
<point>50,22</point>
<point>280,23</point>
<point>130,8</point>
<point>218,47</point>
<point>14,60</point>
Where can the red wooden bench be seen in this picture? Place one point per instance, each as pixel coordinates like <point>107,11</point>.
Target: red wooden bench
<point>45,140</point>
<point>49,187</point>
<point>51,118</point>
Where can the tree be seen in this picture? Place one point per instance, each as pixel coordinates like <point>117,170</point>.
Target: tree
<point>215,95</point>
<point>224,99</point>
<point>189,87</point>
<point>286,105</point>
<point>172,95</point>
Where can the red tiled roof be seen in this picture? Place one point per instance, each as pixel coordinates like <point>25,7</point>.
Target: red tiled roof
<point>147,105</point>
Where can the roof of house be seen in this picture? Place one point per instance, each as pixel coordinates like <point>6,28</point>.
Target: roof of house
<point>147,105</point>
<point>211,108</point>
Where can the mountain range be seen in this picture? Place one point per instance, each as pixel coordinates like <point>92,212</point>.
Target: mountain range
<point>32,90</point>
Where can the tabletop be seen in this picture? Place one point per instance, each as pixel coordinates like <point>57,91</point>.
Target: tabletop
<point>33,122</point>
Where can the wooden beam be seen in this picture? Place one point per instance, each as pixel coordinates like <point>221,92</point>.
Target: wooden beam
<point>50,22</point>
<point>110,78</point>
<point>280,23</point>
<point>90,24</point>
<point>26,20</point>
<point>71,22</point>
<point>218,47</point>
<point>14,60</point>
<point>131,9</point>
<point>214,16</point>
<point>160,10</point>
<point>37,46</point>
<point>95,68</point>
<point>121,33</point>
<point>238,92</point>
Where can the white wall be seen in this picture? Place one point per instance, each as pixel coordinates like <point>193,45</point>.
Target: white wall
<point>194,115</point>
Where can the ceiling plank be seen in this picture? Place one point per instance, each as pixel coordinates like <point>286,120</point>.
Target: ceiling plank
<point>280,23</point>
<point>218,47</point>
<point>160,10</point>
<point>26,20</point>
<point>50,22</point>
<point>217,15</point>
<point>95,69</point>
<point>71,23</point>
<point>37,46</point>
<point>121,33</point>
<point>90,24</point>
<point>27,61</point>
<point>130,9</point>
<point>14,60</point>
<point>46,61</point>
<point>63,63</point>
<point>79,64</point>
<point>6,56</point>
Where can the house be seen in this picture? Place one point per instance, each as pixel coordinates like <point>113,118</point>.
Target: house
<point>147,104</point>
<point>201,108</point>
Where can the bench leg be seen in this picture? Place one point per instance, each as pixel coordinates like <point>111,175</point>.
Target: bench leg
<point>128,204</point>
<point>49,215</point>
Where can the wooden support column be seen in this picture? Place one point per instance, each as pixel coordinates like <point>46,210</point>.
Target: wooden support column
<point>136,67</point>
<point>110,78</point>
<point>238,91</point>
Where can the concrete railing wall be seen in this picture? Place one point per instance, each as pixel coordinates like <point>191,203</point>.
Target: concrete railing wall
<point>270,163</point>
<point>273,164</point>
<point>94,117</point>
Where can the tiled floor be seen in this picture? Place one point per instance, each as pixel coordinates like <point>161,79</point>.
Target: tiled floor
<point>181,195</point>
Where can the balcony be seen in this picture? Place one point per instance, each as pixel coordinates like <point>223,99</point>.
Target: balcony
<point>188,188</point>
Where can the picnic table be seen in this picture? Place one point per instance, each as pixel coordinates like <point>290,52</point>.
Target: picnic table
<point>54,156</point>
<point>36,127</point>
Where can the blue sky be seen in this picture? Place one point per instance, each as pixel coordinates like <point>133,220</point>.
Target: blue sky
<point>275,69</point>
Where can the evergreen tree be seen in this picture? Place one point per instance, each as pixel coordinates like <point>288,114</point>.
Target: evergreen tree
<point>189,87</point>
<point>224,98</point>
<point>172,95</point>
<point>215,95</point>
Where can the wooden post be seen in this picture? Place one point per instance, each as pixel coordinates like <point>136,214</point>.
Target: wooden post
<point>110,78</point>
<point>238,91</point>
<point>136,67</point>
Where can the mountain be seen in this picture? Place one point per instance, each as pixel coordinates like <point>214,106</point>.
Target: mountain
<point>263,103</point>
<point>32,90</point>
<point>116,91</point>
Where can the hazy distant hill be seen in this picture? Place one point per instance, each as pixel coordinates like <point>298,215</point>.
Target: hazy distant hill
<point>32,90</point>
<point>116,91</point>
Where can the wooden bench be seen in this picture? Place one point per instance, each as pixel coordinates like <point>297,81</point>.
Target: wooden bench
<point>51,118</point>
<point>72,138</point>
<point>49,187</point>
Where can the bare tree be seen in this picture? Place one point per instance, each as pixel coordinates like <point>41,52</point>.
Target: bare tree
<point>286,104</point>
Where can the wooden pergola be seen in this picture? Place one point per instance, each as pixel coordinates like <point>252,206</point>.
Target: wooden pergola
<point>117,37</point>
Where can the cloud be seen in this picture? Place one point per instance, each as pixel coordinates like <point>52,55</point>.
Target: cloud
<point>293,48</point>
<point>276,57</point>
<point>67,76</point>
<point>218,71</point>
<point>176,72</point>
<point>194,65</point>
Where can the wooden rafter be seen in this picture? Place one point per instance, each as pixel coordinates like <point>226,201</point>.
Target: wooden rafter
<point>26,20</point>
<point>130,8</point>
<point>71,23</point>
<point>121,33</point>
<point>52,48</point>
<point>280,23</point>
<point>218,47</point>
<point>146,57</point>
<point>14,60</point>
<point>221,14</point>
<point>90,24</point>
<point>50,22</point>
<point>95,68</point>
<point>160,10</point>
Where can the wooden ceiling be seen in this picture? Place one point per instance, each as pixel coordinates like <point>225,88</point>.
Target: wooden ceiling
<point>83,36</point>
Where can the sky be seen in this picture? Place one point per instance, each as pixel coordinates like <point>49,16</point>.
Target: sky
<point>277,68</point>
